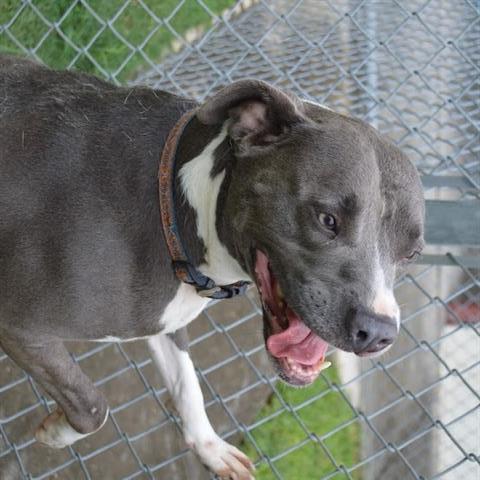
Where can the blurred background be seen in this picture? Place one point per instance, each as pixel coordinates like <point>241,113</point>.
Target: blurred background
<point>411,69</point>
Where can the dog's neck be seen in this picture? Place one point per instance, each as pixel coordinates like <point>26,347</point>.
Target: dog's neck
<point>200,177</point>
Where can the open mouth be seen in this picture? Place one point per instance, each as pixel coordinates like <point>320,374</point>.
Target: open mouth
<point>298,351</point>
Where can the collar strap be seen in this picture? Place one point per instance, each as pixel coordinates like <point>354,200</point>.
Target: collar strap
<point>182,268</point>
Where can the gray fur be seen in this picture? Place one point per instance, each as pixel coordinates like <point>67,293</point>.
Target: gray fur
<point>81,247</point>
<point>82,254</point>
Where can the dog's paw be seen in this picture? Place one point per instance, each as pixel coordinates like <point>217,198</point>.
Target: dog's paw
<point>224,459</point>
<point>56,432</point>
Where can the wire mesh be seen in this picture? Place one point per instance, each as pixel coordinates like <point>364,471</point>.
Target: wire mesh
<point>411,68</point>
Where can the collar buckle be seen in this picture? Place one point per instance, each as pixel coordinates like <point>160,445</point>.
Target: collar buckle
<point>209,292</point>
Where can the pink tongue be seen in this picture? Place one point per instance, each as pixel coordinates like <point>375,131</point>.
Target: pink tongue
<point>297,342</point>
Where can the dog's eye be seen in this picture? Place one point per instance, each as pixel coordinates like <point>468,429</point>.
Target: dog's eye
<point>328,221</point>
<point>412,256</point>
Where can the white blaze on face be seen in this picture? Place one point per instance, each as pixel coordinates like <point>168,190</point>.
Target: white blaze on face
<point>384,302</point>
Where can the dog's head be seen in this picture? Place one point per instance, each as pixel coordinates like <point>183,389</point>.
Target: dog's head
<point>323,210</point>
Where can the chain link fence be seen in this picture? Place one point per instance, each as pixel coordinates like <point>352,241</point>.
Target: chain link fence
<point>410,68</point>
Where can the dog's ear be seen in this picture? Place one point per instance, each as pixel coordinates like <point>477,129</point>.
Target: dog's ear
<point>260,115</point>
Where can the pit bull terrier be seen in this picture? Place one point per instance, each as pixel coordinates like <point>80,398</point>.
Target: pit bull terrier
<point>316,208</point>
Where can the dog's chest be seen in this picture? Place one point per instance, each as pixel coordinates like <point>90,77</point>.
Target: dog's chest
<point>182,309</point>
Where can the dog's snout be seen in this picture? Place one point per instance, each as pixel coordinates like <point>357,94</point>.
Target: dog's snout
<point>370,333</point>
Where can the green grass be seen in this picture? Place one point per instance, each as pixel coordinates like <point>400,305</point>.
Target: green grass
<point>78,31</point>
<point>320,417</point>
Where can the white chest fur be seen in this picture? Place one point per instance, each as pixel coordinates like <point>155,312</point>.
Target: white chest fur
<point>185,307</point>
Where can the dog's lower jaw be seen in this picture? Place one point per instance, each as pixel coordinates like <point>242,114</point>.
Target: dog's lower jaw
<point>181,381</point>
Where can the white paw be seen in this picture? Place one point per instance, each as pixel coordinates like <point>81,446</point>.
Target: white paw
<point>224,459</point>
<point>56,432</point>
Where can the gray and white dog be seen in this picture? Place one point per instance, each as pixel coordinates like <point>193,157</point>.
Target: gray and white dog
<point>317,208</point>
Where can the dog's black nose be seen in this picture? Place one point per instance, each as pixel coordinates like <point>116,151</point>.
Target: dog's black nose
<point>371,333</point>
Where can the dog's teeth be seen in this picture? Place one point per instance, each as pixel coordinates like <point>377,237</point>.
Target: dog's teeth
<point>278,291</point>
<point>305,372</point>
<point>324,366</point>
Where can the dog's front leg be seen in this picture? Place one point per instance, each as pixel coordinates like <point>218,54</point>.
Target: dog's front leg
<point>81,407</point>
<point>171,356</point>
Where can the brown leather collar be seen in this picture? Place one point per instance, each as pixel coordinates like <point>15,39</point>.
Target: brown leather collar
<point>181,265</point>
